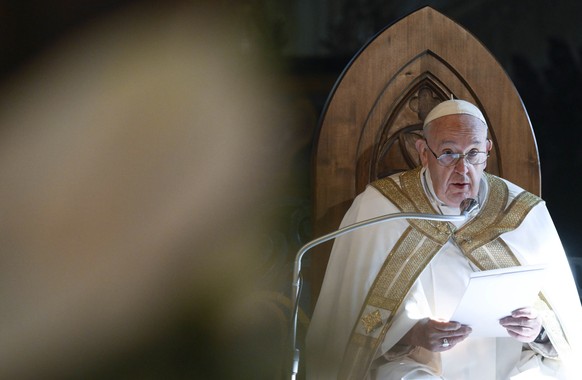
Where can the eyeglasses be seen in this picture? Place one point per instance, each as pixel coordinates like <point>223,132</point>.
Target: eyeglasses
<point>472,157</point>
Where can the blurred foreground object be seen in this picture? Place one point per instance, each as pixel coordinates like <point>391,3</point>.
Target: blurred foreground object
<point>133,159</point>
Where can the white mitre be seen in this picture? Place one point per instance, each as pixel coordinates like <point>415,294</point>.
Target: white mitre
<point>454,107</point>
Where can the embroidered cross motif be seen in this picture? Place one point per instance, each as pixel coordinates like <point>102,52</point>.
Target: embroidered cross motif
<point>372,321</point>
<point>464,239</point>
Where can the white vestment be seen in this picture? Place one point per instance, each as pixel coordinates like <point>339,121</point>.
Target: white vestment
<point>356,259</point>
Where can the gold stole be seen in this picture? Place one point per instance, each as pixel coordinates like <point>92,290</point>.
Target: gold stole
<point>478,239</point>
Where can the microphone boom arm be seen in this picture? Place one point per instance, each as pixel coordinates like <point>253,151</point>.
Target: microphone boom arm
<point>467,207</point>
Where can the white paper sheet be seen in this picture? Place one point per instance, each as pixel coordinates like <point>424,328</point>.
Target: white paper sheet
<point>494,294</point>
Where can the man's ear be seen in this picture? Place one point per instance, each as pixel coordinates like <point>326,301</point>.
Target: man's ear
<point>488,149</point>
<point>422,150</point>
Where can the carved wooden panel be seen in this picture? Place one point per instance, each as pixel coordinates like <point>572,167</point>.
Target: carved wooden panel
<point>375,112</point>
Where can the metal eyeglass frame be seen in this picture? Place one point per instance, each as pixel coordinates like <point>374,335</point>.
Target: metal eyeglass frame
<point>457,158</point>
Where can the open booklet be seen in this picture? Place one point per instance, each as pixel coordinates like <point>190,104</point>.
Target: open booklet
<point>494,294</point>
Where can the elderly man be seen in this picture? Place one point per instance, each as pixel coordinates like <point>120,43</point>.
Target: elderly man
<point>386,298</point>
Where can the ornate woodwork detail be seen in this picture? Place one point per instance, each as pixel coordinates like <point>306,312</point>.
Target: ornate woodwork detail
<point>375,111</point>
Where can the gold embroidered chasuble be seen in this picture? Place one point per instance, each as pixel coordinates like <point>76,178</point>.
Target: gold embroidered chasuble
<point>479,240</point>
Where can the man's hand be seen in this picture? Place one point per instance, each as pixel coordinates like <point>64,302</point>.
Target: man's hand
<point>436,336</point>
<point>523,324</point>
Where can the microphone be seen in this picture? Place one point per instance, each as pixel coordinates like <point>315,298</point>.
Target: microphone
<point>467,207</point>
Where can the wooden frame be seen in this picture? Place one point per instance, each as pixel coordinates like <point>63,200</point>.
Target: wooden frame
<point>376,108</point>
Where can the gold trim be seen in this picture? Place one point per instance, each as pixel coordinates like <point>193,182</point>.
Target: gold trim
<point>552,325</point>
<point>372,321</point>
<point>480,238</point>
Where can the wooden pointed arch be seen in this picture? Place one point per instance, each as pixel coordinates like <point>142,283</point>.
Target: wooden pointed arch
<point>375,112</point>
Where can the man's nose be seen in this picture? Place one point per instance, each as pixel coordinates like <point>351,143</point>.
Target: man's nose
<point>461,165</point>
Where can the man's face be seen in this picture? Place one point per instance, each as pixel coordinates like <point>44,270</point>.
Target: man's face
<point>454,134</point>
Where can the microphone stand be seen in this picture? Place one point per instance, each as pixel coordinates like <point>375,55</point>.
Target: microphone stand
<point>467,207</point>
